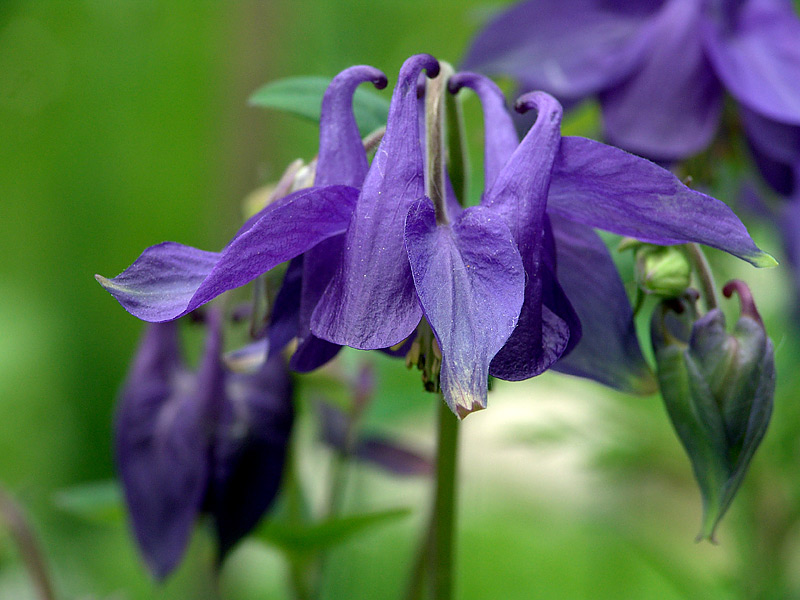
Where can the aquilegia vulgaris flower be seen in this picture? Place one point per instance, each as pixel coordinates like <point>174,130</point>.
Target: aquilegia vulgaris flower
<point>659,67</point>
<point>189,442</point>
<point>484,278</point>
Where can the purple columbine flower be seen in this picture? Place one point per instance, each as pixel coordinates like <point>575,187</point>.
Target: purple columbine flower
<point>659,67</point>
<point>551,191</point>
<point>483,277</point>
<point>188,442</point>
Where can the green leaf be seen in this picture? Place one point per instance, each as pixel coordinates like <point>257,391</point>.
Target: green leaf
<point>99,501</point>
<point>296,538</point>
<point>302,96</point>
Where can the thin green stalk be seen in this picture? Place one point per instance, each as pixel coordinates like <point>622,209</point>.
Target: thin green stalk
<point>12,516</point>
<point>704,274</point>
<point>444,505</point>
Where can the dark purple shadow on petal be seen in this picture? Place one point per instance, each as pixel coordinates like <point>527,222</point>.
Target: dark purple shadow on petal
<point>758,57</point>
<point>519,196</point>
<point>321,262</point>
<point>570,49</point>
<point>605,187</point>
<point>554,297</point>
<point>670,107</point>
<point>775,147</point>
<point>162,441</point>
<point>370,302</point>
<point>249,451</point>
<point>470,280</point>
<point>609,350</point>
<point>170,280</point>
<point>284,321</point>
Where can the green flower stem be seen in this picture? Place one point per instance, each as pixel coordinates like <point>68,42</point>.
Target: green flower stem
<point>444,506</point>
<point>703,270</point>
<point>433,565</point>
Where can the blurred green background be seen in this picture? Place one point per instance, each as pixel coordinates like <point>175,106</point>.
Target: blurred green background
<point>124,123</point>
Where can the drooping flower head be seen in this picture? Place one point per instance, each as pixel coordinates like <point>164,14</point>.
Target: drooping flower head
<point>189,441</point>
<point>484,278</point>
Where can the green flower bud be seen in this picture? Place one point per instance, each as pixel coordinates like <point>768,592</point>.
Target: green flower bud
<point>662,270</point>
<point>718,389</point>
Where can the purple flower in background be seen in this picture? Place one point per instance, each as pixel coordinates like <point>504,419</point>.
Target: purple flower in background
<point>659,68</point>
<point>188,442</point>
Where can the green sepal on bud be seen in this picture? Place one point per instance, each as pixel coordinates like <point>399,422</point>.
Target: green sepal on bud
<point>662,270</point>
<point>718,389</point>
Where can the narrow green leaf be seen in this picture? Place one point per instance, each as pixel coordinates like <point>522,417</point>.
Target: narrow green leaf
<point>302,96</point>
<point>99,501</point>
<point>305,539</point>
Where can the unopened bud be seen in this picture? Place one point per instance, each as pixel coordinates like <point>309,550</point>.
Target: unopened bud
<point>718,389</point>
<point>661,270</point>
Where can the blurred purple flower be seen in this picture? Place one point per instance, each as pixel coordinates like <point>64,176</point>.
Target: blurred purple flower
<point>391,456</point>
<point>188,442</point>
<point>659,67</point>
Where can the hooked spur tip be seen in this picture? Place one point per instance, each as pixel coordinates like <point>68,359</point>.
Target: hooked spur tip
<point>540,101</point>
<point>380,81</point>
<point>746,301</point>
<point>414,65</point>
<point>460,80</point>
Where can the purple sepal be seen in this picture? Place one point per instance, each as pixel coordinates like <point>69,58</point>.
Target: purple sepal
<point>249,451</point>
<point>605,187</point>
<point>370,302</point>
<point>571,49</point>
<point>470,279</point>
<point>609,350</point>
<point>162,439</point>
<point>757,56</point>
<point>670,106</point>
<point>170,280</point>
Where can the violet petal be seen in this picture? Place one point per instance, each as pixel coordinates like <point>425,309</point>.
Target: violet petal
<point>609,349</point>
<point>470,281</point>
<point>670,107</point>
<point>500,136</point>
<point>161,443</point>
<point>249,450</point>
<point>757,56</point>
<point>519,196</point>
<point>170,280</point>
<point>571,49</point>
<point>370,302</point>
<point>605,187</point>
<point>342,159</point>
